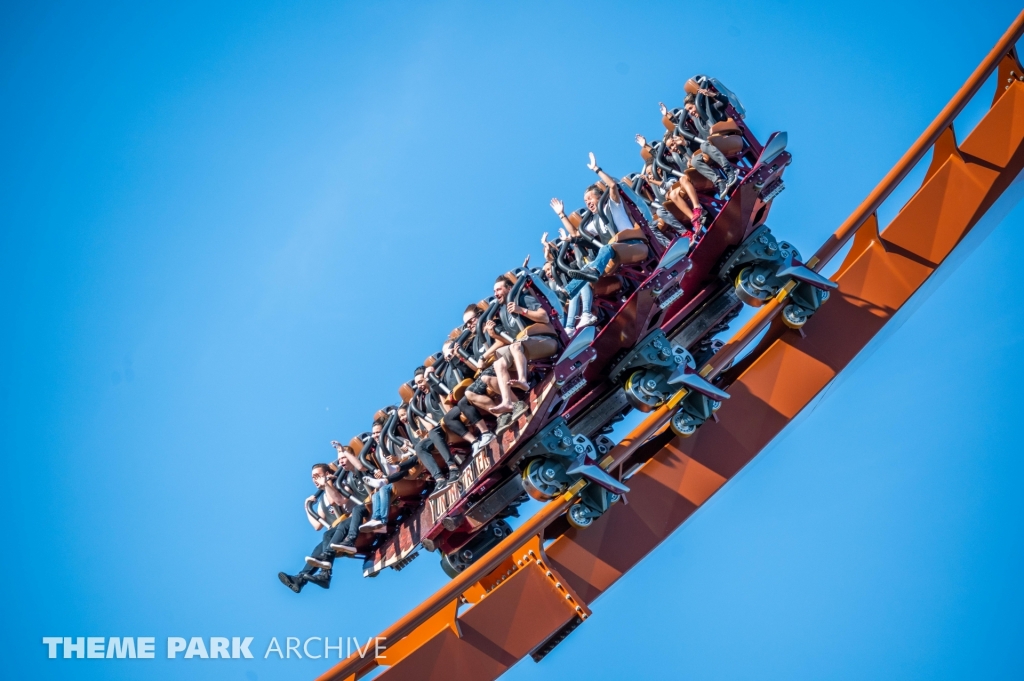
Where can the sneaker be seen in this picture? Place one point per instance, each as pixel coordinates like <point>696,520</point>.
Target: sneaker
<point>486,438</point>
<point>587,273</point>
<point>504,422</point>
<point>322,579</point>
<point>519,409</point>
<point>316,562</point>
<point>294,583</point>
<point>370,524</point>
<point>383,529</point>
<point>440,483</point>
<point>453,475</point>
<point>477,446</point>
<point>344,547</point>
<point>731,180</point>
<point>721,187</point>
<point>587,319</point>
<point>570,331</point>
<point>698,216</point>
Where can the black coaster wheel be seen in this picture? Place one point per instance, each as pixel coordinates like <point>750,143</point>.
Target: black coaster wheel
<point>544,479</point>
<point>642,391</point>
<point>748,288</point>
<point>449,569</point>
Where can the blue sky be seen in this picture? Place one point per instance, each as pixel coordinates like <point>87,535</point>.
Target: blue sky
<point>228,232</point>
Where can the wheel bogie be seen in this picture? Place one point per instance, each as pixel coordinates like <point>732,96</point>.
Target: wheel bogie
<point>483,541</point>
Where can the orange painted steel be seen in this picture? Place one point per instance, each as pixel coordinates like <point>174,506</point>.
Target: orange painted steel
<point>932,134</point>
<point>524,597</point>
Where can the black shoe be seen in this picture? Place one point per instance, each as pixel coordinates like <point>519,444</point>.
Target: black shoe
<point>721,187</point>
<point>293,583</point>
<point>322,579</point>
<point>440,483</point>
<point>453,475</point>
<point>587,273</point>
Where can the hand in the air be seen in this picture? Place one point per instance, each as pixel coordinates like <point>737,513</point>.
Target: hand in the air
<point>641,140</point>
<point>593,162</point>
<point>557,206</point>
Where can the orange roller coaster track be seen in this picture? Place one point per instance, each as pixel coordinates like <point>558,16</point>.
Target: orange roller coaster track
<point>529,592</point>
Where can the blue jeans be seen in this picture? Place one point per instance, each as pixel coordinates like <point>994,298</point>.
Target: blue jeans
<point>586,297</point>
<point>381,502</point>
<point>599,263</point>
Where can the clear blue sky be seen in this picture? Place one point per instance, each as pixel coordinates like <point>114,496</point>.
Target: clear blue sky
<point>228,232</point>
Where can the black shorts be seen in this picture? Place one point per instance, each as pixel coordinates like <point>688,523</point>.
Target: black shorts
<point>477,387</point>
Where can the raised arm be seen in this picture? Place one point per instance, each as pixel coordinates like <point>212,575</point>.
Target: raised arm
<point>559,208</point>
<point>613,186</point>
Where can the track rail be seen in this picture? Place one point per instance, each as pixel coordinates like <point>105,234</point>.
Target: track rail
<point>526,595</point>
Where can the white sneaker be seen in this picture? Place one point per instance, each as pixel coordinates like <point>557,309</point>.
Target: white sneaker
<point>477,444</point>
<point>313,562</point>
<point>570,331</point>
<point>587,319</point>
<point>343,548</point>
<point>370,525</point>
<point>486,439</point>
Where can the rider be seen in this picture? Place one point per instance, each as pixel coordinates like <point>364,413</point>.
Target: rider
<point>671,188</point>
<point>454,355</point>
<point>329,508</point>
<point>379,483</point>
<point>699,123</point>
<point>596,227</point>
<point>349,481</point>
<point>527,323</point>
<point>430,435</point>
